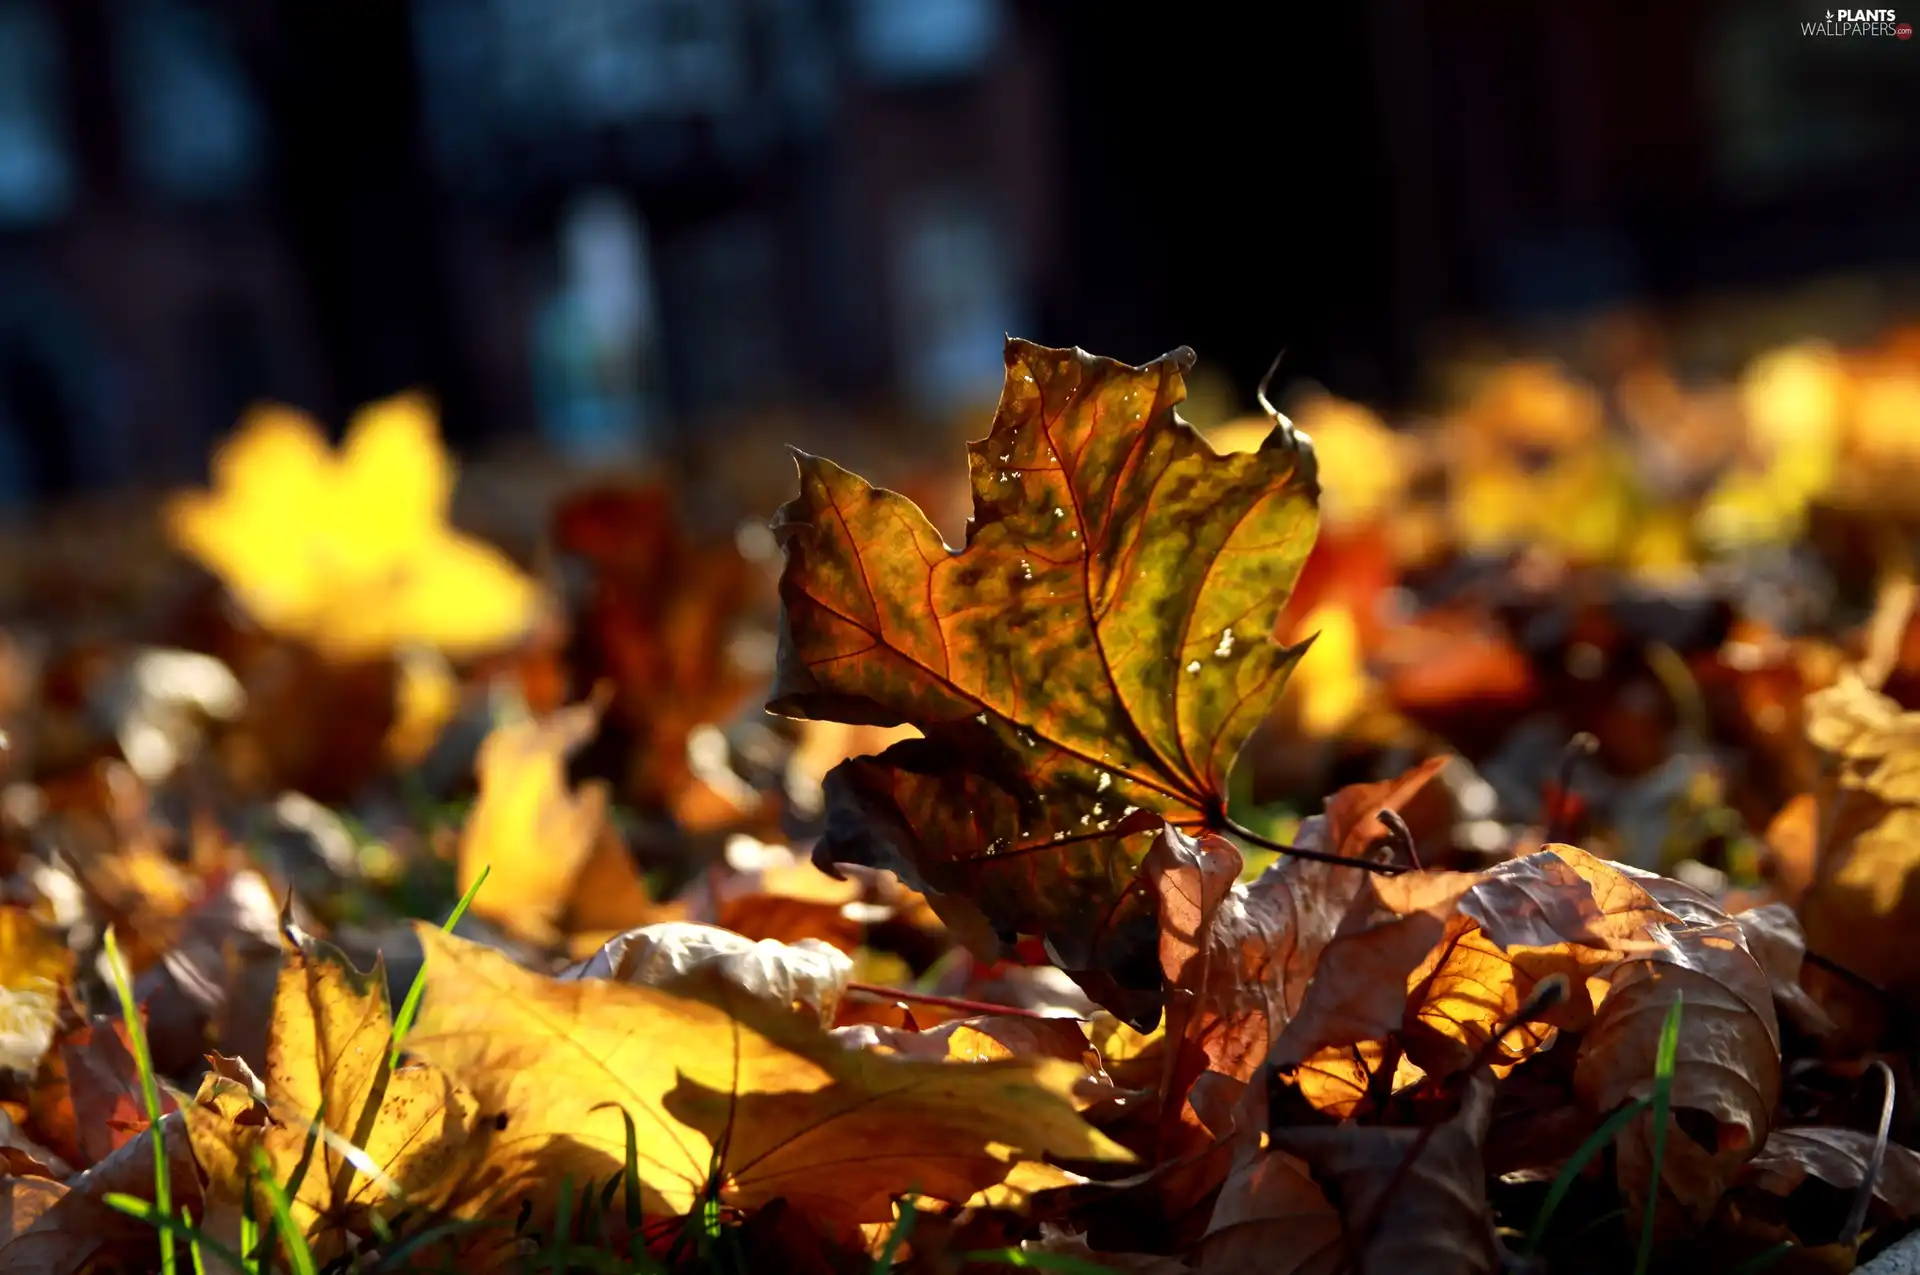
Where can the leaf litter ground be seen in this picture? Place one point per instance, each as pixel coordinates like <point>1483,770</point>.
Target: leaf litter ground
<point>1190,872</point>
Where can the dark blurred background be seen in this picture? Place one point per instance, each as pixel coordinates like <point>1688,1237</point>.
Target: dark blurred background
<point>606,223</point>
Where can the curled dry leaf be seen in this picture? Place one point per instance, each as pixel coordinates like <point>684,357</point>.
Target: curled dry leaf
<point>788,1111</point>
<point>1839,1157</point>
<point>1877,742</point>
<point>65,1228</point>
<point>1099,649</point>
<point>1272,1216</point>
<point>1441,959</point>
<point>1240,957</point>
<point>1865,902</point>
<point>328,1069</point>
<point>1433,1217</point>
<point>1774,937</point>
<point>351,552</point>
<point>808,977</point>
<point>1727,1066</point>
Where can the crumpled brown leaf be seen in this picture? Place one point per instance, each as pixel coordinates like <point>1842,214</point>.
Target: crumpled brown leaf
<point>1442,958</point>
<point>87,1101</point>
<point>1238,958</point>
<point>1436,1220</point>
<point>1727,1065</point>
<point>807,978</point>
<point>1837,1156</point>
<point>1876,740</point>
<point>63,1228</point>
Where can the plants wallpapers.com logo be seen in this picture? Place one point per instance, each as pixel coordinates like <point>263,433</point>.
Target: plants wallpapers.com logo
<point>1839,22</point>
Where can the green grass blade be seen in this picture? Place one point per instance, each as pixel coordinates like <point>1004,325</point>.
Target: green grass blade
<point>410,1006</point>
<point>1765,1260</point>
<point>1663,1065</point>
<point>249,1231</point>
<point>1576,1164</point>
<point>149,1091</point>
<point>197,1240</point>
<point>902,1228</point>
<point>631,1178</point>
<point>562,1229</point>
<point>194,1250</point>
<point>298,1254</point>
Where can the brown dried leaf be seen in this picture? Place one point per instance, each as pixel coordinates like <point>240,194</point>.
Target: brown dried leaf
<point>63,1228</point>
<point>1839,1157</point>
<point>1727,1066</point>
<point>1437,1218</point>
<point>1239,957</point>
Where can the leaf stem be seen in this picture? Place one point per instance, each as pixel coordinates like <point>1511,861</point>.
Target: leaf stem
<point>945,1002</point>
<point>1869,1177</point>
<point>1318,856</point>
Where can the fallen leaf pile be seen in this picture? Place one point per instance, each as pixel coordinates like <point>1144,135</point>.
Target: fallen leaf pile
<point>1311,845</point>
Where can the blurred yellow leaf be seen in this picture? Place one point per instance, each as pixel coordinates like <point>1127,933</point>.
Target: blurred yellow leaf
<point>838,1132</point>
<point>327,1066</point>
<point>1330,684</point>
<point>527,827</point>
<point>33,965</point>
<point>351,551</point>
<point>1363,465</point>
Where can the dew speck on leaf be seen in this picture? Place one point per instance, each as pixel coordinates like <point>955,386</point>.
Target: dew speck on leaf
<point>1194,667</point>
<point>1226,645</point>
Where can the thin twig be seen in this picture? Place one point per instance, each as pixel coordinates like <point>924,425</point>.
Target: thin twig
<point>1318,856</point>
<point>1401,837</point>
<point>1857,1215</point>
<point>1260,394</point>
<point>1559,819</point>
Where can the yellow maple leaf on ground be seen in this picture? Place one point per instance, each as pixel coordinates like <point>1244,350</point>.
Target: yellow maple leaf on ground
<point>351,550</point>
<point>784,1109</point>
<point>328,1065</point>
<point>555,862</point>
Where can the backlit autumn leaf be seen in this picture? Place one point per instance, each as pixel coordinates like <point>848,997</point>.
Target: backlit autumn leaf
<point>783,1109</point>
<point>328,1052</point>
<point>33,965</point>
<point>1099,648</point>
<point>1727,1066</point>
<point>86,1102</point>
<point>553,859</point>
<point>658,621</point>
<point>351,551</point>
<point>1242,955</point>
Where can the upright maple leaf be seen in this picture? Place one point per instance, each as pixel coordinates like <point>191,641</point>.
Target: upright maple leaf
<point>1088,665</point>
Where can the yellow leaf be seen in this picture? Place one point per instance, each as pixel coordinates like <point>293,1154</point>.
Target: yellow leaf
<point>327,1065</point>
<point>33,965</point>
<point>837,1132</point>
<point>351,551</point>
<point>527,827</point>
<point>1330,684</point>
